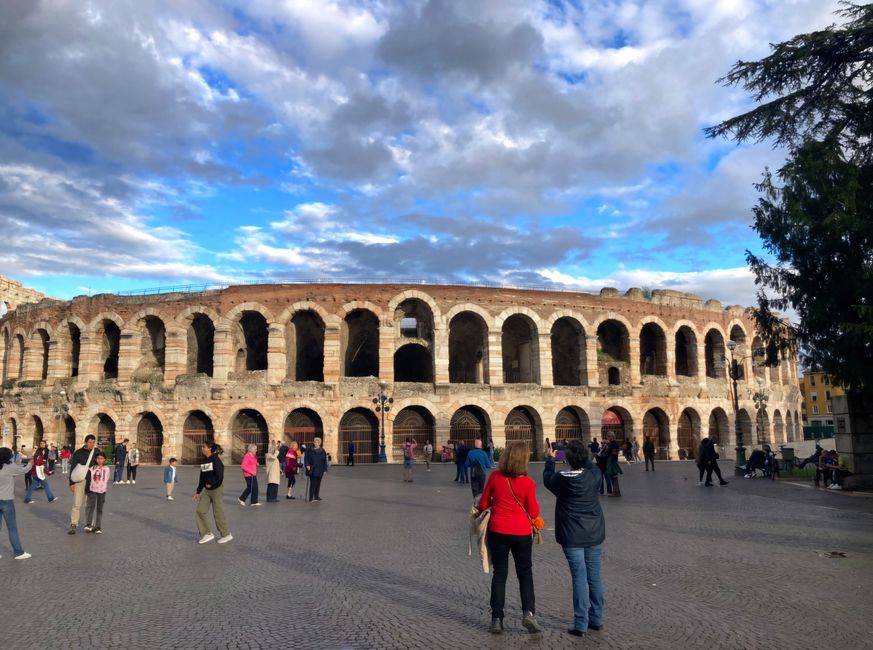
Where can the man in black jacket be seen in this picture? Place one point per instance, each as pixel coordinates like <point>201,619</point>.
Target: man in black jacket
<point>580,529</point>
<point>87,456</point>
<point>315,461</point>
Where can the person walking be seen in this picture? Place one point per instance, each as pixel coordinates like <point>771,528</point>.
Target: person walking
<point>613,469</point>
<point>24,459</point>
<point>52,458</point>
<point>96,494</point>
<point>649,452</point>
<point>701,460</point>
<point>39,478</point>
<point>710,457</point>
<point>580,529</point>
<point>315,461</point>
<point>133,457</point>
<point>82,461</point>
<point>461,463</point>
<point>120,459</point>
<point>511,495</point>
<point>490,450</point>
<point>636,451</point>
<point>408,448</point>
<point>274,473</point>
<point>594,446</point>
<point>210,492</point>
<point>8,472</point>
<point>65,455</point>
<point>283,451</point>
<point>478,463</point>
<point>350,457</point>
<point>292,467</point>
<point>250,474</point>
<point>170,478</point>
<point>428,454</point>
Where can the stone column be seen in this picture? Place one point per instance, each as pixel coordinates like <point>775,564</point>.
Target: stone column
<point>331,353</point>
<point>546,377</point>
<point>276,360</point>
<point>129,355</point>
<point>56,367</point>
<point>495,358</point>
<point>222,360</point>
<point>90,367</point>
<point>441,356</point>
<point>673,447</point>
<point>175,355</point>
<point>386,356</point>
<point>634,370</point>
<point>591,367</point>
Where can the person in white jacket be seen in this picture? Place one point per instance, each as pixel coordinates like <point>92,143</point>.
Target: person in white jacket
<point>8,472</point>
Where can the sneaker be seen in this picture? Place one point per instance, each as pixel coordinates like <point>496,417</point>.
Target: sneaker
<point>575,632</point>
<point>127,482</point>
<point>241,502</point>
<point>72,530</point>
<point>699,483</point>
<point>23,556</point>
<point>255,505</point>
<point>225,539</point>
<point>54,499</point>
<point>723,482</point>
<point>97,531</point>
<point>28,502</point>
<point>170,499</point>
<point>208,537</point>
<point>89,529</point>
<point>707,485</point>
<point>530,623</point>
<point>596,628</point>
<point>134,482</point>
<point>496,626</point>
<point>319,499</point>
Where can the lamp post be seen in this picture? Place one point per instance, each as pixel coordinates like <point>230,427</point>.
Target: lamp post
<point>760,398</point>
<point>382,403</point>
<point>734,372</point>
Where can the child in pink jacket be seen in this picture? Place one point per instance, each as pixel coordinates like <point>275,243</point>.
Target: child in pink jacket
<point>250,473</point>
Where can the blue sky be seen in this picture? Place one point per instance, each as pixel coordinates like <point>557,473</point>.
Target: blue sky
<point>147,144</point>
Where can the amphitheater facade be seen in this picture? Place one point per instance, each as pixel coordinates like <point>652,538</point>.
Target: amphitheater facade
<point>249,364</point>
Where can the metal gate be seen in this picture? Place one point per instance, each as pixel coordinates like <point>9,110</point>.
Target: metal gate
<point>249,428</point>
<point>611,424</point>
<point>519,427</point>
<point>686,439</point>
<point>105,434</point>
<point>303,427</point>
<point>196,432</point>
<point>411,423</point>
<point>362,430</point>
<point>468,425</point>
<point>658,433</point>
<point>568,426</point>
<point>150,439</point>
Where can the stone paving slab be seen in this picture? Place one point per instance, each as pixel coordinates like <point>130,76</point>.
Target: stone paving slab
<point>383,564</point>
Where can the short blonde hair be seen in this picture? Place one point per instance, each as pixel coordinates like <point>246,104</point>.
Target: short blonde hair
<point>514,460</point>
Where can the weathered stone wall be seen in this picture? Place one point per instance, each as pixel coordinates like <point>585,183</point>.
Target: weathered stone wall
<point>37,347</point>
<point>13,294</point>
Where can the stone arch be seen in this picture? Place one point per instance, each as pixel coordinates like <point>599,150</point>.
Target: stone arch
<point>520,347</point>
<point>69,338</point>
<point>152,332</point>
<point>653,347</point>
<point>236,312</point>
<point>468,348</point>
<point>183,318</point>
<point>719,427</point>
<point>688,434</point>
<point>16,356</point>
<point>150,438</point>
<point>415,294</point>
<point>523,424</point>
<point>304,336</point>
<point>7,346</point>
<point>685,351</point>
<point>483,313</point>
<point>360,427</point>
<point>302,425</point>
<point>13,433</point>
<point>613,351</point>
<point>197,430</point>
<point>38,430</point>
<point>359,343</point>
<point>413,363</point>
<point>307,305</point>
<point>616,421</point>
<point>250,334</point>
<point>415,422</point>
<point>656,425</point>
<point>40,341</point>
<point>69,432</point>
<point>469,423</point>
<point>714,353</point>
<point>745,422</point>
<point>778,428</point>
<point>758,367</point>
<point>572,423</point>
<point>529,313</point>
<point>106,333</point>
<point>569,355</point>
<point>248,427</point>
<point>103,425</point>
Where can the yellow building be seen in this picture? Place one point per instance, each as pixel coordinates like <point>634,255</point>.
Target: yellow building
<point>818,392</point>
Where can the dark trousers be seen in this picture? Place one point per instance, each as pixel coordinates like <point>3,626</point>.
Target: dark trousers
<point>711,467</point>
<point>94,508</point>
<point>314,487</point>
<point>131,472</point>
<point>350,460</point>
<point>702,467</point>
<point>650,458</point>
<point>28,479</point>
<point>478,484</point>
<point>272,492</point>
<point>292,480</point>
<point>499,547</point>
<point>251,489</point>
<point>119,472</point>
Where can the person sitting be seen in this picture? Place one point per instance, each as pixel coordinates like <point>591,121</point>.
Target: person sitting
<point>812,459</point>
<point>756,462</point>
<point>825,468</point>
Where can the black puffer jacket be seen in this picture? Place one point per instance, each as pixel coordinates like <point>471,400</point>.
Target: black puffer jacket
<point>578,516</point>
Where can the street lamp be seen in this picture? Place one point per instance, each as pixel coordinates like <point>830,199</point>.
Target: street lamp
<point>734,371</point>
<point>382,403</point>
<point>760,398</point>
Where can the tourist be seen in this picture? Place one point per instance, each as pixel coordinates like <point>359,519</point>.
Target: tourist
<point>710,459</point>
<point>274,473</point>
<point>812,459</point>
<point>649,452</point>
<point>580,530</point>
<point>250,474</point>
<point>292,467</point>
<point>594,446</point>
<point>461,452</point>
<point>132,463</point>
<point>428,454</point>
<point>350,457</point>
<point>65,455</point>
<point>96,494</point>
<point>82,461</point>
<point>701,460</point>
<point>315,461</point>
<point>628,452</point>
<point>511,495</point>
<point>280,457</point>
<point>613,469</point>
<point>600,460</point>
<point>636,451</point>
<point>408,448</point>
<point>170,478</point>
<point>490,450</point>
<point>120,458</point>
<point>52,458</point>
<point>478,463</point>
<point>210,492</point>
<point>8,472</point>
<point>38,476</point>
<point>24,459</point>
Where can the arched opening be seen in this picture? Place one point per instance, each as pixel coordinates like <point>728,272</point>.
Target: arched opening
<point>153,347</point>
<point>6,350</point>
<point>251,335</point>
<point>43,353</point>
<point>18,357</point>
<point>468,349</point>
<point>360,337</point>
<point>615,422</point>
<point>718,427</point>
<point>150,438</point>
<point>521,426</point>
<point>572,423</point>
<point>714,352</point>
<point>110,344</point>
<point>738,335</point>
<point>657,427</point>
<point>201,347</point>
<point>758,356</point>
<point>568,353</point>
<point>303,426</point>
<point>413,319</point>
<point>249,428</point>
<point>686,352</point>
<point>414,422</point>
<point>75,348</point>
<point>688,434</point>
<point>105,432</point>
<point>613,351</point>
<point>745,421</point>
<point>69,432</point>
<point>13,434</point>
<point>38,431</point>
<point>197,431</point>
<point>306,346</point>
<point>762,427</point>
<point>778,428</point>
<point>413,362</point>
<point>653,350</point>
<point>361,427</point>
<point>520,351</point>
<point>469,423</point>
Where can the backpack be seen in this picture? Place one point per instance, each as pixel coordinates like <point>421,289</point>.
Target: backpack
<point>476,471</point>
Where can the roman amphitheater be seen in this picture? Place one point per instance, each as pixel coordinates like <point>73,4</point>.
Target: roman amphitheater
<point>255,363</point>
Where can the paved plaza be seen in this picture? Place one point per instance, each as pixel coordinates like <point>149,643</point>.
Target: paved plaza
<point>383,564</point>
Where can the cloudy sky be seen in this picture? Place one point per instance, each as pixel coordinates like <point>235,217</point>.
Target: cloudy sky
<point>147,144</point>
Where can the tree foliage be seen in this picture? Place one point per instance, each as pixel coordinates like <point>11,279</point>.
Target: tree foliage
<point>815,215</point>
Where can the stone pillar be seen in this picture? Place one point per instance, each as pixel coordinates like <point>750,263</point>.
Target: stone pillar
<point>546,377</point>
<point>495,358</point>
<point>90,368</point>
<point>386,356</point>
<point>441,356</point>
<point>222,360</point>
<point>671,361</point>
<point>175,355</point>
<point>276,360</point>
<point>634,370</point>
<point>332,353</point>
<point>129,355</point>
<point>701,363</point>
<point>498,434</point>
<point>673,447</point>
<point>56,368</point>
<point>591,366</point>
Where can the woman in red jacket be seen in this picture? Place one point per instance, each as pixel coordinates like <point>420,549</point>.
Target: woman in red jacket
<point>511,495</point>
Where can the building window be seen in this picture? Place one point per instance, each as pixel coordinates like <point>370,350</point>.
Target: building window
<point>830,423</point>
<point>814,397</point>
<point>815,410</point>
<point>826,380</point>
<point>827,394</point>
<point>830,409</point>
<point>812,380</point>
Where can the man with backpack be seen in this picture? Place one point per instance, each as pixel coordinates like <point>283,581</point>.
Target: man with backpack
<point>478,463</point>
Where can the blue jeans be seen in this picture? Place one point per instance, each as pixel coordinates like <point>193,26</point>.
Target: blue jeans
<point>7,512</point>
<point>587,585</point>
<point>37,482</point>
<point>119,471</point>
<point>461,473</point>
<point>604,477</point>
<point>251,488</point>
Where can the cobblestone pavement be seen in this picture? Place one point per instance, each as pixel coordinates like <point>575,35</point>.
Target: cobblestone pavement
<point>383,564</point>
